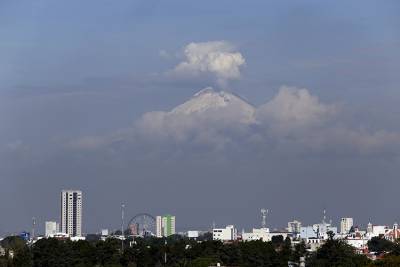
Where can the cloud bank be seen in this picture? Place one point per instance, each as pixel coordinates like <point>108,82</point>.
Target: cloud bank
<point>293,122</point>
<point>294,108</point>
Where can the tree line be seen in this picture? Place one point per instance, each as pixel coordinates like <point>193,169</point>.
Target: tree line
<point>183,252</point>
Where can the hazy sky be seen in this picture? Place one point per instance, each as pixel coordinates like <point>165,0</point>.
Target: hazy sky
<point>79,81</point>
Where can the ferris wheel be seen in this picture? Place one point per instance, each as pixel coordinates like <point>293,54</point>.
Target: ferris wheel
<point>142,224</point>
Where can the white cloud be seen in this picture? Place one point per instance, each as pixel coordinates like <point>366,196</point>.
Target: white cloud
<point>292,122</point>
<point>294,108</point>
<point>205,118</point>
<point>218,58</point>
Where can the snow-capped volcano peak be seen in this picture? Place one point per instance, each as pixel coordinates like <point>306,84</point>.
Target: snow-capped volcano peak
<point>211,101</point>
<point>207,90</point>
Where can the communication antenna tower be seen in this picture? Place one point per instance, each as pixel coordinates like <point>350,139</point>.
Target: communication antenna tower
<point>264,213</point>
<point>33,227</point>
<point>122,227</point>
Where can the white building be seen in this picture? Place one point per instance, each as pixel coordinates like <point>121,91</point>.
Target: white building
<point>376,230</point>
<point>71,212</point>
<point>257,234</point>
<point>294,226</point>
<point>77,238</point>
<point>317,231</point>
<point>51,228</point>
<point>193,234</point>
<point>307,232</point>
<point>228,233</point>
<point>61,236</point>
<point>165,225</point>
<point>104,232</point>
<point>284,234</point>
<point>345,225</point>
<point>357,242</point>
<point>323,229</point>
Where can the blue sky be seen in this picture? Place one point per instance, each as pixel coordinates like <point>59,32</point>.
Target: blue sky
<point>71,69</point>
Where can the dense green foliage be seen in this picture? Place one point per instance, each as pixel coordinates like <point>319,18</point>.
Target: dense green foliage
<point>380,245</point>
<point>336,253</point>
<point>151,252</point>
<point>182,252</point>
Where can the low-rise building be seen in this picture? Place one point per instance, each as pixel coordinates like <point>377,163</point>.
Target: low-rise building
<point>61,236</point>
<point>360,243</point>
<point>51,228</point>
<point>257,234</point>
<point>193,234</point>
<point>316,234</point>
<point>229,233</point>
<point>376,230</point>
<point>294,227</point>
<point>104,232</point>
<point>284,234</point>
<point>77,238</point>
<point>393,234</point>
<point>307,232</point>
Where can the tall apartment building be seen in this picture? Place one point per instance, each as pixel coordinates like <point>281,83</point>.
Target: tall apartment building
<point>165,225</point>
<point>345,225</point>
<point>71,212</point>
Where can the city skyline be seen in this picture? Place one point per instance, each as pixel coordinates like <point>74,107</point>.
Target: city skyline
<point>165,225</point>
<point>207,111</point>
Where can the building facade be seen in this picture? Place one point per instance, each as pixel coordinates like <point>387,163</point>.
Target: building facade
<point>393,234</point>
<point>317,231</point>
<point>229,233</point>
<point>294,227</point>
<point>71,212</point>
<point>51,228</point>
<point>257,234</point>
<point>193,234</point>
<point>345,225</point>
<point>165,225</point>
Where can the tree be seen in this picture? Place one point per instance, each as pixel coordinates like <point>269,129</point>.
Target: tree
<point>13,243</point>
<point>396,248</point>
<point>203,262</point>
<point>108,252</point>
<point>380,245</point>
<point>389,261</point>
<point>277,240</point>
<point>208,236</point>
<point>285,253</point>
<point>22,257</point>
<point>299,251</point>
<point>258,253</point>
<point>336,253</point>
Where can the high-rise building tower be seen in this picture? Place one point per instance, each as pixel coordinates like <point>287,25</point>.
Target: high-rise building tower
<point>71,212</point>
<point>345,225</point>
<point>165,225</point>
